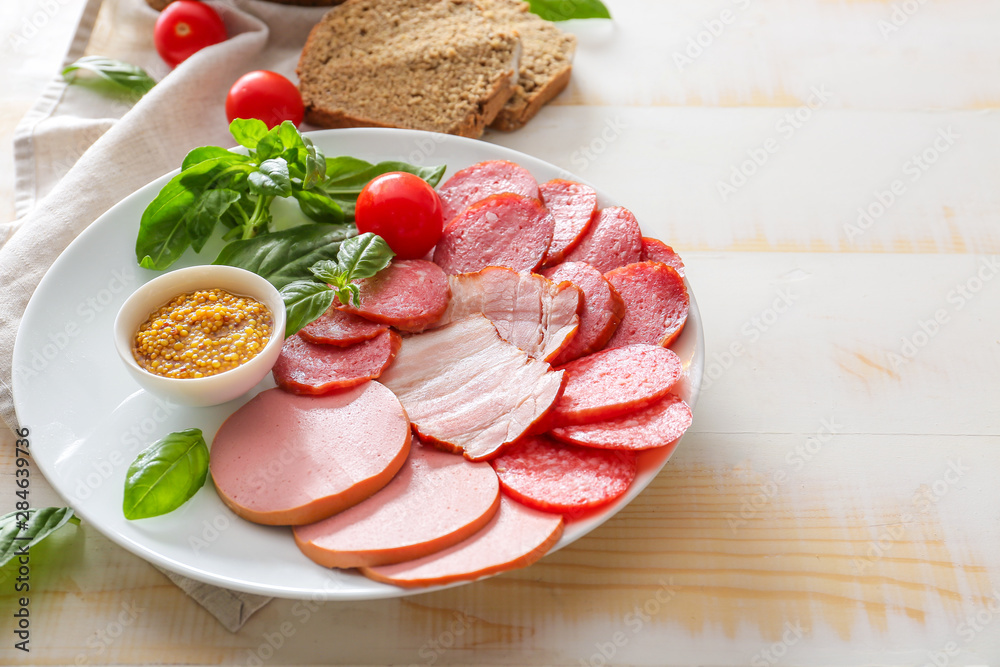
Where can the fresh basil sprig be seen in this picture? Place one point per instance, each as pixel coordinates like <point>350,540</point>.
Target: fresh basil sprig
<point>18,533</point>
<point>347,176</point>
<point>122,75</point>
<point>359,257</point>
<point>166,475</point>
<point>564,10</point>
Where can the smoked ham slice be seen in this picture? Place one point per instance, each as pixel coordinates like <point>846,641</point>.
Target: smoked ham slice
<point>287,459</point>
<point>517,536</point>
<point>468,390</point>
<point>436,500</point>
<point>537,315</point>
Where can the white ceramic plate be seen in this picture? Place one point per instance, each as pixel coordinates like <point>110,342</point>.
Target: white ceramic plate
<point>88,419</point>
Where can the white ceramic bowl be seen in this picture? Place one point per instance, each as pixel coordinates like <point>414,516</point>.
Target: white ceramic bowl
<point>213,389</point>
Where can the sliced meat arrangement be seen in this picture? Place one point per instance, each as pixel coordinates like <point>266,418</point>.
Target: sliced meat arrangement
<point>335,327</point>
<point>613,382</point>
<point>556,477</point>
<point>572,205</point>
<point>600,314</point>
<point>468,390</point>
<point>409,295</point>
<point>283,459</point>
<point>656,303</point>
<point>436,500</point>
<point>481,180</point>
<point>308,368</point>
<point>655,250</point>
<point>501,230</point>
<point>537,315</point>
<point>516,536</point>
<point>658,425</point>
<point>613,240</point>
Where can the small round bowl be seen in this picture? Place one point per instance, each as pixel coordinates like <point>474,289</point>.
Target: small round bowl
<point>213,389</point>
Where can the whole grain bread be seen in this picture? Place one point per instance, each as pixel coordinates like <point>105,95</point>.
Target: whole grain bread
<point>546,60</point>
<point>435,65</point>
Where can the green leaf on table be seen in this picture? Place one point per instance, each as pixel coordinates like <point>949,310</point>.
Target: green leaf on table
<point>271,179</point>
<point>166,475</point>
<point>207,209</point>
<point>564,10</point>
<point>124,76</point>
<point>247,131</point>
<point>283,257</point>
<point>347,176</point>
<point>360,257</point>
<point>305,300</point>
<point>21,530</point>
<point>319,207</point>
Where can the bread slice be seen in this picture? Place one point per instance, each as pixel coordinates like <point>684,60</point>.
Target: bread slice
<point>436,65</point>
<point>546,60</point>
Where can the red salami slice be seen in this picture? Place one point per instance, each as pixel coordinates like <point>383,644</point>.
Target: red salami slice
<point>613,240</point>
<point>655,250</point>
<point>308,368</point>
<point>658,425</point>
<point>656,302</point>
<point>601,312</point>
<point>610,383</point>
<point>480,181</point>
<point>501,230</point>
<point>335,327</point>
<point>556,477</point>
<point>409,295</point>
<point>573,205</point>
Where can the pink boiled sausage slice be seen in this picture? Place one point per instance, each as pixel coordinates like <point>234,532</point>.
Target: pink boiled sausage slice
<point>284,459</point>
<point>656,302</point>
<point>611,383</point>
<point>660,424</point>
<point>409,295</point>
<point>537,315</point>
<point>655,250</point>
<point>335,327</point>
<point>556,477</point>
<point>602,309</point>
<point>573,205</point>
<point>517,536</point>
<point>481,180</point>
<point>613,240</point>
<point>501,230</point>
<point>308,368</point>
<point>436,500</point>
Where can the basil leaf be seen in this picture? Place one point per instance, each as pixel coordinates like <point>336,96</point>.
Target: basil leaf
<point>282,257</point>
<point>315,165</point>
<point>346,176</point>
<point>319,208</point>
<point>289,135</point>
<point>199,155</point>
<point>209,208</point>
<point>18,533</point>
<point>124,76</point>
<point>270,145</point>
<point>563,10</point>
<point>363,256</point>
<point>305,300</point>
<point>247,131</point>
<point>166,475</point>
<point>271,178</point>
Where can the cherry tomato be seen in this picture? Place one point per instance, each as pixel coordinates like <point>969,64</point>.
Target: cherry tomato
<point>404,210</point>
<point>267,96</point>
<point>184,27</point>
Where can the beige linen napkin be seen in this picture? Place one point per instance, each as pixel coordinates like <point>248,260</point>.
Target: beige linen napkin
<point>59,195</point>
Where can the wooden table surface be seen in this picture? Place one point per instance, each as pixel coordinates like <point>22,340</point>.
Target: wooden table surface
<point>829,171</point>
